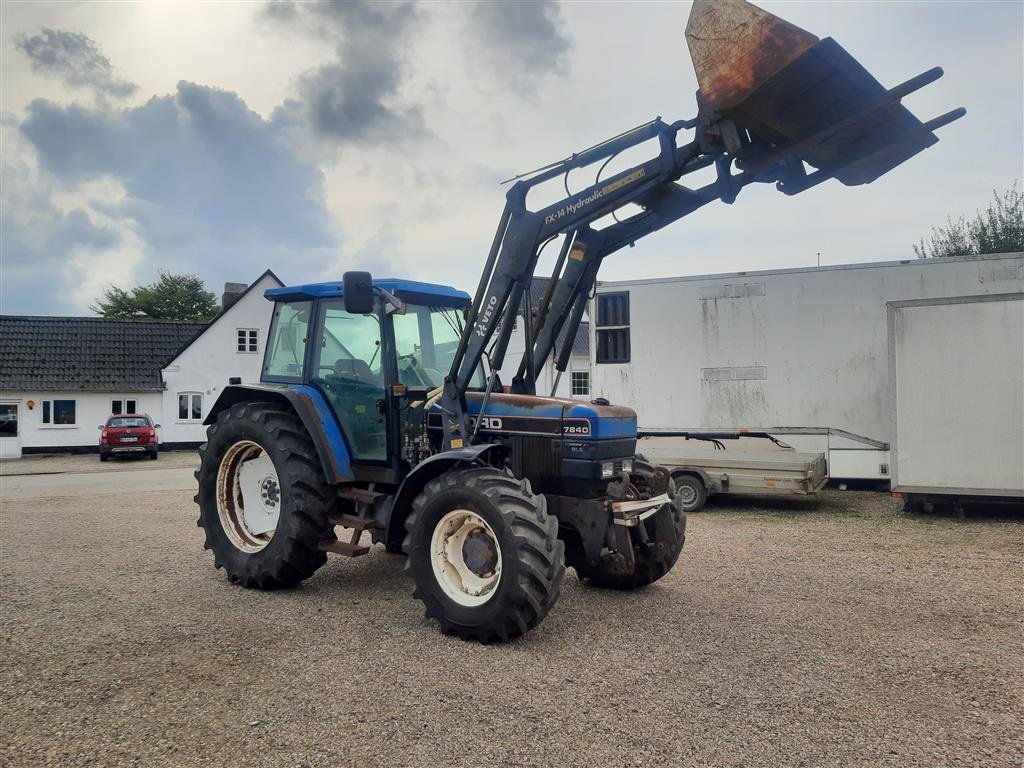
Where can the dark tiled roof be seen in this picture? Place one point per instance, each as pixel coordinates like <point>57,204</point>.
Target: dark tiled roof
<point>581,344</point>
<point>88,353</point>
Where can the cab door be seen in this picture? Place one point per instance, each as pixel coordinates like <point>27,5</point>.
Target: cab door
<point>350,369</point>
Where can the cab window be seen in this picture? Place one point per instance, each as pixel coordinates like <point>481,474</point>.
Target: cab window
<point>286,347</point>
<point>425,342</point>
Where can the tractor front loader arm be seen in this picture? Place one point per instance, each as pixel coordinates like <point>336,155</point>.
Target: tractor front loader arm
<point>774,100</point>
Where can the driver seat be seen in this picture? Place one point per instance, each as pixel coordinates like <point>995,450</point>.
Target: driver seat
<point>354,369</point>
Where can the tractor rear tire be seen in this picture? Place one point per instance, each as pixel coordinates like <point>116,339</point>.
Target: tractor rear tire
<point>292,484</point>
<point>666,531</point>
<point>484,554</point>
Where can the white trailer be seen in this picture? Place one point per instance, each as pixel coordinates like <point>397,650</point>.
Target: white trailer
<point>957,400</point>
<point>799,353</point>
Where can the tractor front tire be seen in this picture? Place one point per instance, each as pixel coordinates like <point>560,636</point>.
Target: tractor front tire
<point>666,533</point>
<point>484,554</point>
<point>263,499</point>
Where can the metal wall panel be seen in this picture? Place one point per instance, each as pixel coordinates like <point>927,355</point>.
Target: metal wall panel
<point>958,399</point>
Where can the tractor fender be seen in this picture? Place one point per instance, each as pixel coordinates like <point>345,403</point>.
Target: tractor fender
<point>311,408</point>
<point>695,472</point>
<point>422,474</point>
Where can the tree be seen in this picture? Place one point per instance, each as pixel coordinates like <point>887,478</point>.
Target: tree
<point>172,297</point>
<point>997,229</point>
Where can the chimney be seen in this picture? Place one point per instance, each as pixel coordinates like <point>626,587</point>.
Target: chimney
<point>231,293</point>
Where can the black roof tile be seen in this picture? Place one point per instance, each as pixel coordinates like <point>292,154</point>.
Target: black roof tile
<point>88,353</point>
<point>580,344</point>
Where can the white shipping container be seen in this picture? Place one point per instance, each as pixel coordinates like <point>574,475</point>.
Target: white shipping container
<point>800,353</point>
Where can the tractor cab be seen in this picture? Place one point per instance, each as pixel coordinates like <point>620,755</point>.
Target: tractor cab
<point>369,361</point>
<point>378,361</point>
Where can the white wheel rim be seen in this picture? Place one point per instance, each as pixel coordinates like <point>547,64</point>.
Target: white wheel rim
<point>687,494</point>
<point>248,496</point>
<point>466,557</point>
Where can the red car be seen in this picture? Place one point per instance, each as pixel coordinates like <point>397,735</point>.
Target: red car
<point>129,434</point>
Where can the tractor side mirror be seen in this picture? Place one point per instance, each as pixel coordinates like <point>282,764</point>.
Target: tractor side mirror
<point>358,292</point>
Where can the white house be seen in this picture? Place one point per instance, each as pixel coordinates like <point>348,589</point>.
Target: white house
<point>231,345</point>
<point>61,377</point>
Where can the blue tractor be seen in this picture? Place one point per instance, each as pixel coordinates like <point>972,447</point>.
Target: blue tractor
<point>380,410</point>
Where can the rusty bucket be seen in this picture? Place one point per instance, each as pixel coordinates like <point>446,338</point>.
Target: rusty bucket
<point>801,97</point>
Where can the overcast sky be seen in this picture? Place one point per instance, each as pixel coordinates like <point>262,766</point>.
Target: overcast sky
<point>225,138</point>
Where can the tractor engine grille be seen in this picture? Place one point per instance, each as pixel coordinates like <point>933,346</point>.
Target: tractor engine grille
<point>540,460</point>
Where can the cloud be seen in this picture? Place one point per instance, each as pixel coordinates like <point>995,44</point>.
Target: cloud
<point>520,42</point>
<point>76,60</point>
<point>204,183</point>
<point>45,233</point>
<point>355,99</point>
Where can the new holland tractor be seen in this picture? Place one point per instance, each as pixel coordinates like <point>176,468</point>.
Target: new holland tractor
<point>380,409</point>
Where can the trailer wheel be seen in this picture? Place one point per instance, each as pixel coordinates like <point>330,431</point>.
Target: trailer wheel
<point>690,492</point>
<point>484,554</point>
<point>263,499</point>
<point>665,533</point>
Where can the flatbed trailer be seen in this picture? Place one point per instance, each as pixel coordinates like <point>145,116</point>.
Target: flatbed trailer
<point>702,470</point>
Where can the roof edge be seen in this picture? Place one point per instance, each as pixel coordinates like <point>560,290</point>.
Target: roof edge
<point>828,268</point>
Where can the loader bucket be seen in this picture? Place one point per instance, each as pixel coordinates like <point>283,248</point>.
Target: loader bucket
<point>800,97</point>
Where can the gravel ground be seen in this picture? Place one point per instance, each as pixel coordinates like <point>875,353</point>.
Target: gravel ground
<point>836,633</point>
<point>56,463</point>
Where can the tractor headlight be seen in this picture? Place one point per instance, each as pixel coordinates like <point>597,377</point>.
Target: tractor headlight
<point>627,465</point>
<point>607,469</point>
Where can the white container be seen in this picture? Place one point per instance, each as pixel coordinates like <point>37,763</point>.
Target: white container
<point>799,353</point>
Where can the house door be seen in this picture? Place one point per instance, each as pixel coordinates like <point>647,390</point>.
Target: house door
<point>10,433</point>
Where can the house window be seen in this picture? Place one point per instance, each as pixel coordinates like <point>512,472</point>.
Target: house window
<point>579,383</point>
<point>612,327</point>
<point>59,412</point>
<point>8,420</point>
<point>190,406</point>
<point>119,407</point>
<point>248,340</point>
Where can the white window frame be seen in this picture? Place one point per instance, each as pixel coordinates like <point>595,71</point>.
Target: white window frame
<point>249,343</point>
<point>191,401</point>
<point>50,424</point>
<point>572,383</point>
<point>124,406</point>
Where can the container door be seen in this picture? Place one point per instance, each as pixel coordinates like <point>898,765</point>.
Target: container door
<point>958,373</point>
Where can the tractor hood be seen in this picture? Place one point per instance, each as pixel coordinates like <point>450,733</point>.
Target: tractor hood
<point>552,416</point>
